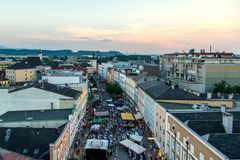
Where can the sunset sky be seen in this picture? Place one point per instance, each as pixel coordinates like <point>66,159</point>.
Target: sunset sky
<point>129,26</point>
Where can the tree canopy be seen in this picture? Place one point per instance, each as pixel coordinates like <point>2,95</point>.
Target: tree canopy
<point>113,88</point>
<point>225,87</point>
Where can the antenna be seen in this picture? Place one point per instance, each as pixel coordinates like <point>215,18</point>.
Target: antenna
<point>210,49</point>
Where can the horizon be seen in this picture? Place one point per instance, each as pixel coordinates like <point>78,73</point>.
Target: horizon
<point>137,27</point>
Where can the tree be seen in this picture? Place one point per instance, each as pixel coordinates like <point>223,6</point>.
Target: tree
<point>113,88</point>
<point>223,87</point>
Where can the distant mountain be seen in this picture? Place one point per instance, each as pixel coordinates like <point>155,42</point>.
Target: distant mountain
<point>57,52</point>
<point>3,47</point>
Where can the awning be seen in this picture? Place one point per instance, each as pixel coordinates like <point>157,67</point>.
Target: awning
<point>136,137</point>
<point>137,148</point>
<point>103,113</point>
<point>127,143</point>
<point>120,108</point>
<point>97,120</point>
<point>138,116</point>
<point>127,116</point>
<point>95,127</point>
<point>111,105</point>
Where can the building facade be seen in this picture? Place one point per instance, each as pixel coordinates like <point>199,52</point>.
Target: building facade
<point>198,72</point>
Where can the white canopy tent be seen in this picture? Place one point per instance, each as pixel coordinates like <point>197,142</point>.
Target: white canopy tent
<point>136,137</point>
<point>138,116</point>
<point>111,105</point>
<point>127,143</point>
<point>95,127</point>
<point>137,148</point>
<point>102,113</point>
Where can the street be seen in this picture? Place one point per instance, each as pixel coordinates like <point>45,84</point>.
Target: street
<point>111,128</point>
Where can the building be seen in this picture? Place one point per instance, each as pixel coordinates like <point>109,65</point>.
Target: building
<point>132,82</point>
<point>21,72</point>
<point>203,135</point>
<point>39,96</point>
<point>198,72</point>
<point>24,71</point>
<point>103,69</point>
<point>65,77</point>
<point>93,63</point>
<point>110,75</point>
<point>35,118</point>
<point>4,82</point>
<point>32,142</point>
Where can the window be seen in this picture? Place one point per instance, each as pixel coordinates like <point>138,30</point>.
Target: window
<point>25,150</point>
<point>178,135</point>
<point>201,156</point>
<point>192,148</point>
<point>160,128</point>
<point>163,131</point>
<point>163,120</point>
<point>157,123</point>
<point>157,113</point>
<point>36,151</point>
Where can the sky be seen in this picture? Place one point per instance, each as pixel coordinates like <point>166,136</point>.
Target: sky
<point>129,26</point>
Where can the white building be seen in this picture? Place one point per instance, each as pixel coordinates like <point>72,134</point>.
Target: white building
<point>103,69</point>
<point>39,96</point>
<point>93,63</point>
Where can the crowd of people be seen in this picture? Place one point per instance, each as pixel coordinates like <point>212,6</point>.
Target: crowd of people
<point>111,127</point>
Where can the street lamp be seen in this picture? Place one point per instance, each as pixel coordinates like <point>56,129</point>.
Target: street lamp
<point>187,143</point>
<point>175,138</point>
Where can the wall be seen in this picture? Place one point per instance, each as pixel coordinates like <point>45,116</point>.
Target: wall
<point>60,148</point>
<point>141,98</point>
<point>195,142</point>
<point>218,72</point>
<point>149,111</point>
<point>160,128</point>
<point>29,99</point>
<point>62,79</point>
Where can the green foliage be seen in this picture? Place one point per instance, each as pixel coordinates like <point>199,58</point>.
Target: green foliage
<point>225,87</point>
<point>113,88</point>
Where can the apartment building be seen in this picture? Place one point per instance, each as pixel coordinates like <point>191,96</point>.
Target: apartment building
<point>198,72</point>
<point>203,136</point>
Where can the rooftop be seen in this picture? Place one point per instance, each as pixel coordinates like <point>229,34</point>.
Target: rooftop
<point>33,142</point>
<point>228,144</point>
<point>59,114</point>
<point>161,91</point>
<point>65,91</point>
<point>209,125</point>
<point>30,63</point>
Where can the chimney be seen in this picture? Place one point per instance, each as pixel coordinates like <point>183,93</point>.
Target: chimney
<point>230,96</point>
<point>223,108</point>
<point>228,122</point>
<point>209,95</point>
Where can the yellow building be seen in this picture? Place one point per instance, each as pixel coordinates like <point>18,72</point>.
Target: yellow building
<point>4,82</point>
<point>20,72</point>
